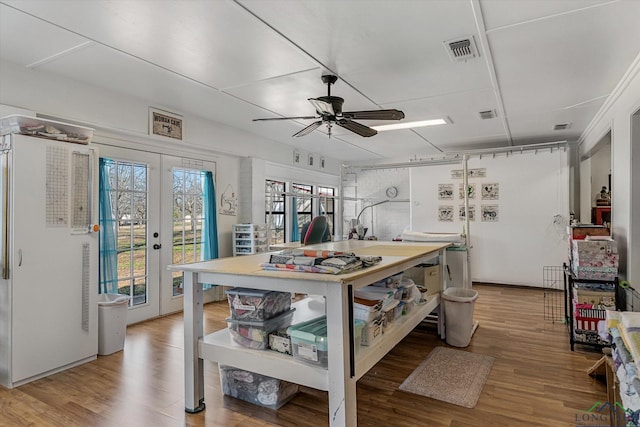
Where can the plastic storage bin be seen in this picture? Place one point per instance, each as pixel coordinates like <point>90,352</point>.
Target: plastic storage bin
<point>112,322</point>
<point>372,331</point>
<point>257,305</point>
<point>389,312</point>
<point>365,309</point>
<point>458,315</point>
<point>309,342</point>
<point>255,335</point>
<point>376,293</point>
<point>358,326</point>
<point>255,388</point>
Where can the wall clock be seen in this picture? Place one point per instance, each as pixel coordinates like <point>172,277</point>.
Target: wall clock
<point>392,192</point>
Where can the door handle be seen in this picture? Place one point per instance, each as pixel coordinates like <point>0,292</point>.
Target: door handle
<point>157,246</point>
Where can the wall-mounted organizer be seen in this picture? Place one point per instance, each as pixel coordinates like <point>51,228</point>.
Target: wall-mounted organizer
<point>249,239</point>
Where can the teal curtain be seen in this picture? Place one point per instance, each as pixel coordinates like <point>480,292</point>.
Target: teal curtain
<point>108,259</point>
<point>295,230</point>
<point>209,242</point>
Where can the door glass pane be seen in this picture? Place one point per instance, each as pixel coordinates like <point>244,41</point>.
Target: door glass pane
<point>129,196</point>
<point>275,210</point>
<point>187,220</point>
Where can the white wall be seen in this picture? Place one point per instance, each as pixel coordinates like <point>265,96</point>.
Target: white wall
<point>57,96</point>
<point>122,121</point>
<point>387,220</point>
<point>601,167</point>
<point>586,192</point>
<point>615,116</point>
<point>534,188</point>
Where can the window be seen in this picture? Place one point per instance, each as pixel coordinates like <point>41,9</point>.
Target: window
<point>128,183</point>
<point>304,204</point>
<point>327,205</point>
<point>187,220</point>
<point>275,210</point>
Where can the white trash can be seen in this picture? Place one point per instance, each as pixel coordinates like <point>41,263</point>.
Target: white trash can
<point>112,322</point>
<point>458,315</point>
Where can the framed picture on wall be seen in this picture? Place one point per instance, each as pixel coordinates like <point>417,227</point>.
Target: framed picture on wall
<point>471,191</point>
<point>472,213</point>
<point>490,191</point>
<point>445,213</point>
<point>311,160</point>
<point>445,191</point>
<point>296,157</point>
<point>490,213</point>
<point>163,123</point>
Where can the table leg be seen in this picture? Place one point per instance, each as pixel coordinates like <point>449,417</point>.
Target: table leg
<point>193,332</point>
<point>342,385</point>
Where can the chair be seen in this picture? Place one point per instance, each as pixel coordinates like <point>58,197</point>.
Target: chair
<point>316,232</point>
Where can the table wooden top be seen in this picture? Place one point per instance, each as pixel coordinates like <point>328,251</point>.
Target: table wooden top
<point>392,253</point>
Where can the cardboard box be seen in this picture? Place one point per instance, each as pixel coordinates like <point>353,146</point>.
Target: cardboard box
<point>426,277</point>
<point>579,232</point>
<point>591,255</point>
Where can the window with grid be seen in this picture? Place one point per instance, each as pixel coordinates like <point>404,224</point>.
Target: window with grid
<point>327,204</point>
<point>304,204</point>
<point>275,213</point>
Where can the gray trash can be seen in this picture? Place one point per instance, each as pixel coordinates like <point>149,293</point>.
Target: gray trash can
<point>112,322</point>
<point>458,315</point>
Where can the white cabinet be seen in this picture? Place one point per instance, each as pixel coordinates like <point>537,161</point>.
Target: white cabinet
<point>249,239</point>
<point>49,285</point>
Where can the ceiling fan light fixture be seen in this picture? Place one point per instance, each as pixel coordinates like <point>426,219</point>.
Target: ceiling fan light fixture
<point>411,125</point>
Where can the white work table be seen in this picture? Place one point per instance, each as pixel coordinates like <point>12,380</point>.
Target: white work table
<point>344,366</point>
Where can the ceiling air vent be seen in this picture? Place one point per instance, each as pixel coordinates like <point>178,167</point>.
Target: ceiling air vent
<point>561,126</point>
<point>461,49</point>
<point>488,114</point>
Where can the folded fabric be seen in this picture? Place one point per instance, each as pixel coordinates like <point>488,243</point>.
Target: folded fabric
<point>313,253</point>
<point>300,268</point>
<point>630,319</point>
<point>315,261</point>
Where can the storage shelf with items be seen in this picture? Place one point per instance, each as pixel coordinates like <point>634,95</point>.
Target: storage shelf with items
<point>249,239</point>
<point>591,285</point>
<point>342,356</point>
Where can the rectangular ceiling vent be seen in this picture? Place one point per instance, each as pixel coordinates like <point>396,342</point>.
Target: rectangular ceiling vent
<point>561,126</point>
<point>461,49</point>
<point>488,114</point>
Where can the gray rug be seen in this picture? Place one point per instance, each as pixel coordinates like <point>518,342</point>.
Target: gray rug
<point>450,375</point>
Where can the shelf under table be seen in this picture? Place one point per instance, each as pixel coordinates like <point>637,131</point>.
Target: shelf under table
<point>220,347</point>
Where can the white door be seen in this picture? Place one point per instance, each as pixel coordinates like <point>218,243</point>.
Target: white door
<point>181,228</point>
<point>135,187</point>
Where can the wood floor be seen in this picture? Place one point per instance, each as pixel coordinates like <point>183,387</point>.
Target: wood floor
<point>535,381</point>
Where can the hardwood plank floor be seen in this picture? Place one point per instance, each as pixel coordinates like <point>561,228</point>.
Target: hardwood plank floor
<point>535,381</point>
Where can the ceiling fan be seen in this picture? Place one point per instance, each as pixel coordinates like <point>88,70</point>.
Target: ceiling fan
<point>329,112</point>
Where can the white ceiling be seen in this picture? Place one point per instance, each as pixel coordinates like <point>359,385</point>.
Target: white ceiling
<point>541,63</point>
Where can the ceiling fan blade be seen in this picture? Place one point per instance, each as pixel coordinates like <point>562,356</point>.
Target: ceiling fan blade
<point>356,127</point>
<point>391,114</point>
<point>286,118</point>
<point>307,130</point>
<point>322,107</point>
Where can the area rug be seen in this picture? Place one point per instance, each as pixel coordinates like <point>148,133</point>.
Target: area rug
<point>450,375</point>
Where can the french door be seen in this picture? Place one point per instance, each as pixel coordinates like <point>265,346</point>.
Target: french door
<point>158,204</point>
<point>134,178</point>
<point>182,225</point>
